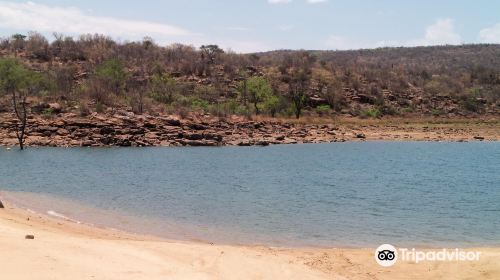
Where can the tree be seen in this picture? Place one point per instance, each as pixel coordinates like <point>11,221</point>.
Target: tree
<point>258,91</point>
<point>18,42</point>
<point>163,88</point>
<point>298,86</point>
<point>112,74</point>
<point>66,48</point>
<point>37,46</point>
<point>334,95</point>
<point>243,87</point>
<point>272,104</point>
<point>210,53</point>
<point>297,71</point>
<point>137,88</point>
<point>19,83</point>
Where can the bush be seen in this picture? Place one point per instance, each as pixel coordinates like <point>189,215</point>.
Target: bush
<point>323,109</point>
<point>48,112</point>
<point>112,75</point>
<point>164,88</point>
<point>199,104</point>
<point>99,107</point>
<point>260,91</point>
<point>371,113</point>
<point>472,104</point>
<point>437,112</point>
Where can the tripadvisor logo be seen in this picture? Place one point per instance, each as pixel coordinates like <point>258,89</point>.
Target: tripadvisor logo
<point>387,255</point>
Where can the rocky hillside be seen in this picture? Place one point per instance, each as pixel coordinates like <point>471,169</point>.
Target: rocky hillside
<point>94,73</point>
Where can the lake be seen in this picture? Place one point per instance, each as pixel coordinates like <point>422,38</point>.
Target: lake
<point>338,194</point>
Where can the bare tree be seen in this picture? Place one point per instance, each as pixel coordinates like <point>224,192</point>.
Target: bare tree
<point>19,82</point>
<point>19,104</point>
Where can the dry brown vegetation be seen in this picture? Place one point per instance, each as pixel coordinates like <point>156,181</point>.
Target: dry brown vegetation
<point>94,73</point>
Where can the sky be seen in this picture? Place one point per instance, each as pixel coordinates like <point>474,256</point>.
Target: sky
<point>262,25</point>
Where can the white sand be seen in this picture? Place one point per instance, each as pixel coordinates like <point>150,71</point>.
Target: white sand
<point>64,250</point>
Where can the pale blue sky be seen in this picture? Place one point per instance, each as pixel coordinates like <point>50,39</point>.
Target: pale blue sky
<point>261,25</point>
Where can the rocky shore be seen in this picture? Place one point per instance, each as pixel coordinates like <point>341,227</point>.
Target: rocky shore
<point>127,129</point>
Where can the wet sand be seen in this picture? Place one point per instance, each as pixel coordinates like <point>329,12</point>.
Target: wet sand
<point>67,250</point>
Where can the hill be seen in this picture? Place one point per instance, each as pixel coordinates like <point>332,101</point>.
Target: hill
<point>95,73</point>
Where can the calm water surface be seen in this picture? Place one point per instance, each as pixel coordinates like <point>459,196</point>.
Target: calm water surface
<point>342,194</point>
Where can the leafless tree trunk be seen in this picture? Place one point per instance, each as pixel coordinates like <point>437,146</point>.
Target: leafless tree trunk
<point>141,101</point>
<point>22,116</point>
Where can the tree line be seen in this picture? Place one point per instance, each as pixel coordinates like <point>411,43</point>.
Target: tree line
<point>96,73</point>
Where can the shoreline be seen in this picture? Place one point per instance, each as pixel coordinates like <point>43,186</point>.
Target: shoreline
<point>62,248</point>
<point>126,129</point>
<point>57,217</point>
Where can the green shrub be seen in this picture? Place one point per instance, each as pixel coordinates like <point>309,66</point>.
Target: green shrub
<point>371,113</point>
<point>199,104</point>
<point>323,109</point>
<point>472,104</point>
<point>164,88</point>
<point>48,112</point>
<point>437,112</point>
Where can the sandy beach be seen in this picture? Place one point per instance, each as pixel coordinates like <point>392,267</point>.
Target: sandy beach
<point>66,250</point>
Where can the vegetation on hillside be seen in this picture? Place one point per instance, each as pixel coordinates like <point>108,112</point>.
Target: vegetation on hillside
<point>95,73</point>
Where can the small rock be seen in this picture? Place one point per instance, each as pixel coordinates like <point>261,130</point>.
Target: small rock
<point>1,205</point>
<point>262,143</point>
<point>197,126</point>
<point>480,138</point>
<point>245,144</point>
<point>29,236</point>
<point>361,136</point>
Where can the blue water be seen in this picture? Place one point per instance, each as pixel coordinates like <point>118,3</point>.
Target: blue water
<point>339,194</point>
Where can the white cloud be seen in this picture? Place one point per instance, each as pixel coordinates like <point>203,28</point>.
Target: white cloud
<point>490,34</point>
<point>442,32</point>
<point>73,21</point>
<point>22,17</point>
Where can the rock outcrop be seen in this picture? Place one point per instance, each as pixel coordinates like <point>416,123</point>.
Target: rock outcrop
<point>127,129</point>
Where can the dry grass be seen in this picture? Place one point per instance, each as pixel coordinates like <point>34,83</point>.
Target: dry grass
<point>390,121</point>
